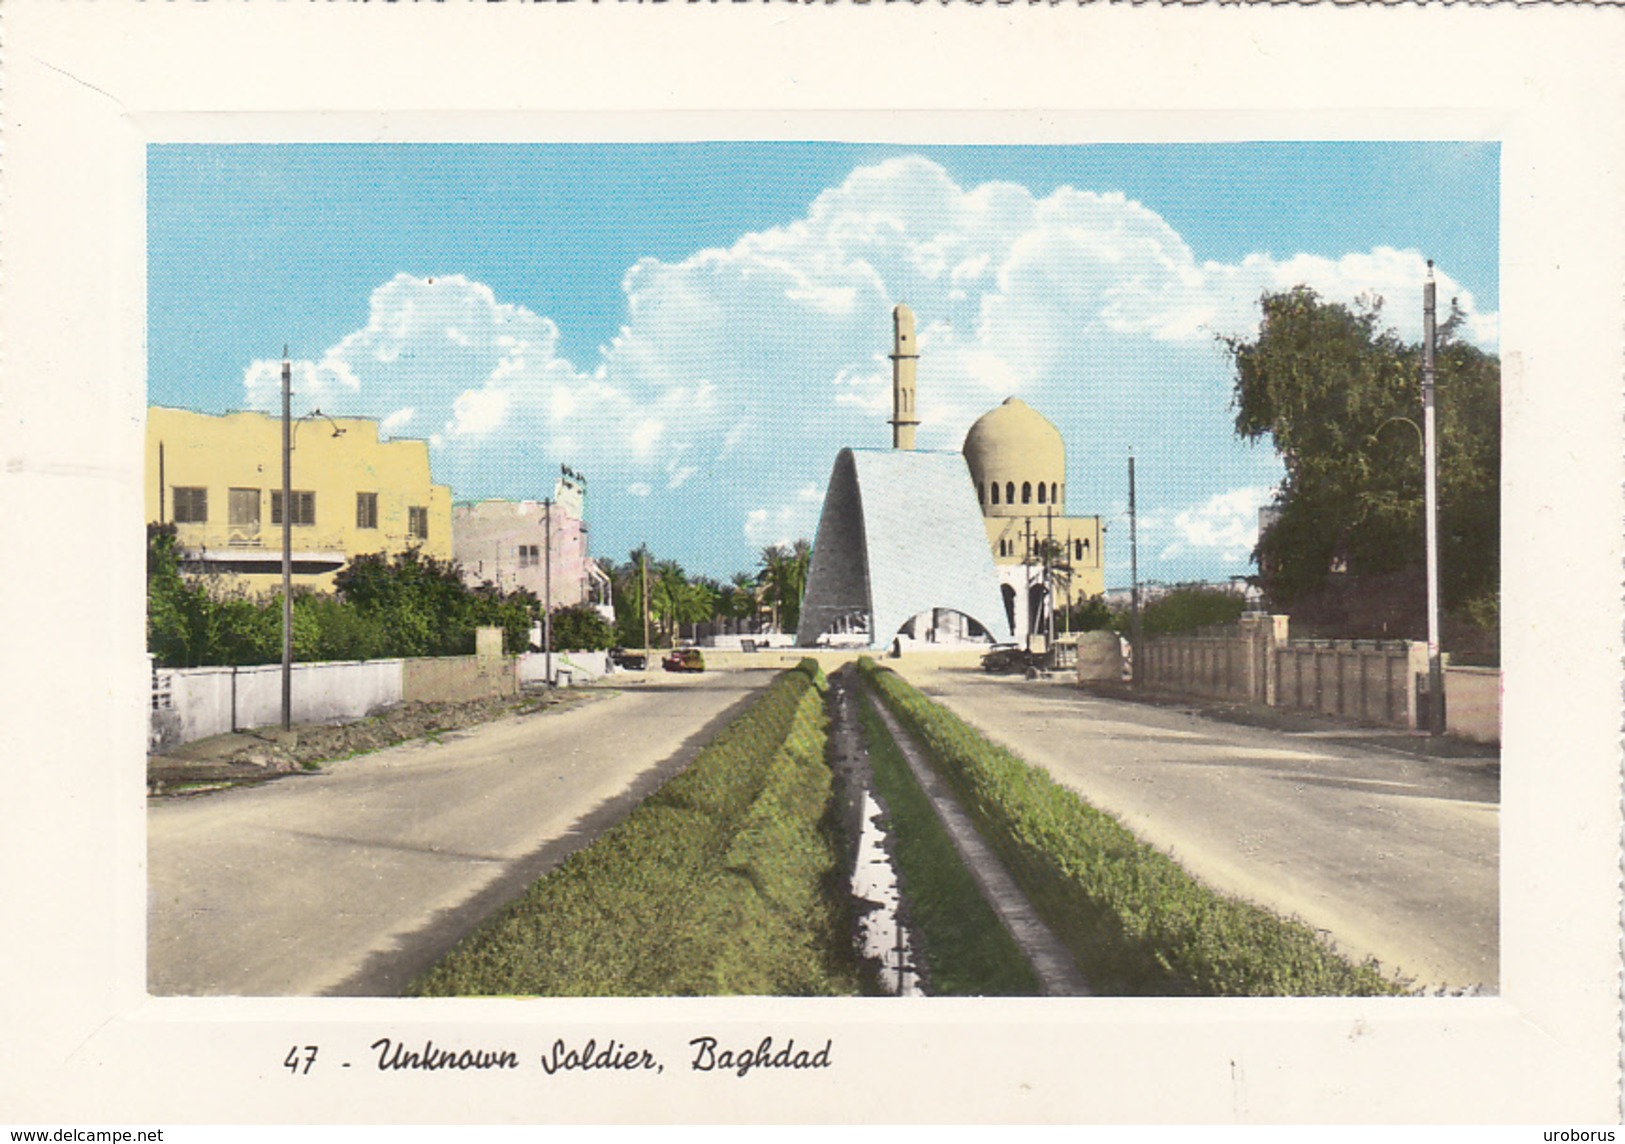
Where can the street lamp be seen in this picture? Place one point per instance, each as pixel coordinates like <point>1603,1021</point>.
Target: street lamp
<point>547,591</point>
<point>1134,576</point>
<point>1430,465</point>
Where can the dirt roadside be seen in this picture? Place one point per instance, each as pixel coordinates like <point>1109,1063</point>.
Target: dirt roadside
<point>264,753</point>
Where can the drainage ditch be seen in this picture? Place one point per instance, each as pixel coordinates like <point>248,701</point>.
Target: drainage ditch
<point>883,937</point>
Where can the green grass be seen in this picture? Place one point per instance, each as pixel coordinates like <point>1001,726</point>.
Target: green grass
<point>965,948</point>
<point>1135,921</point>
<point>727,880</point>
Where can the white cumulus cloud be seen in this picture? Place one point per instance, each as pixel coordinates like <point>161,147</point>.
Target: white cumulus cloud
<point>739,370</point>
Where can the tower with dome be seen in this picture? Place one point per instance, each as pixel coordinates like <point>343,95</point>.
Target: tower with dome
<point>1017,461</point>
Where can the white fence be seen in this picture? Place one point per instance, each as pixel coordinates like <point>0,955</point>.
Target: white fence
<point>1473,702</point>
<point>194,703</point>
<point>1365,680</point>
<point>569,667</point>
<point>197,702</point>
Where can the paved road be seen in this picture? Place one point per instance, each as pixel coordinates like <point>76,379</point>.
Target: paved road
<point>1394,855</point>
<point>352,880</point>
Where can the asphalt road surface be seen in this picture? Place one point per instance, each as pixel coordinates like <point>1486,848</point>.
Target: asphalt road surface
<point>1395,856</point>
<point>352,880</point>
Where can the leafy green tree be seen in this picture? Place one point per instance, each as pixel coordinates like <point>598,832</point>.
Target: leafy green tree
<point>1091,615</point>
<point>1333,389</point>
<point>425,607</point>
<point>1183,608</point>
<point>581,628</point>
<point>177,610</point>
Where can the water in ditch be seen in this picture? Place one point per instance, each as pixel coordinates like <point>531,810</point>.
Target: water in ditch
<point>882,935</point>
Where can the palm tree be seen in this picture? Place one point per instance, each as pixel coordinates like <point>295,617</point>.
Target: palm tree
<point>774,558</point>
<point>796,582</point>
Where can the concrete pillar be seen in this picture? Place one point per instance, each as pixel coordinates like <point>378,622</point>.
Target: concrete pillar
<point>488,643</point>
<point>1416,663</point>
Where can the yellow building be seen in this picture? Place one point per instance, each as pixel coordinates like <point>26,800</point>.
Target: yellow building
<point>1017,461</point>
<point>218,479</point>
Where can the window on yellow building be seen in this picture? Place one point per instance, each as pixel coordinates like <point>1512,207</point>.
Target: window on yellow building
<point>366,510</point>
<point>417,522</point>
<point>304,507</point>
<point>191,505</point>
<point>243,509</point>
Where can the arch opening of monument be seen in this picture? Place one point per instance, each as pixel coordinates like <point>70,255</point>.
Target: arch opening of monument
<point>943,627</point>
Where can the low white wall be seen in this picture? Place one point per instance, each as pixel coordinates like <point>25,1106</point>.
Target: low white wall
<point>762,641</point>
<point>1472,703</point>
<point>202,698</point>
<point>569,667</point>
<point>320,691</point>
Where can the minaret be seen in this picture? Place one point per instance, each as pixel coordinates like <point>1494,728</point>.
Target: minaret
<point>903,357</point>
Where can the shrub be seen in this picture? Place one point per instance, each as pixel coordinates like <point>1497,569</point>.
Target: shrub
<point>581,628</point>
<point>1186,607</point>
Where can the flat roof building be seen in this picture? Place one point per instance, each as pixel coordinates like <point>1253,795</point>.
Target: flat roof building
<point>218,479</point>
<point>538,546</point>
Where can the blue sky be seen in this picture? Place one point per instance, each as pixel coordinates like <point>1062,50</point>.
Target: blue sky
<point>699,327</point>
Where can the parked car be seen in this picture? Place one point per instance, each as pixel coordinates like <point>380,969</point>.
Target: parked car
<point>628,660</point>
<point>1011,659</point>
<point>684,659</point>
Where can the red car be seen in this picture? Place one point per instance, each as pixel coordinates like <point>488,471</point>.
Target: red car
<point>684,659</point>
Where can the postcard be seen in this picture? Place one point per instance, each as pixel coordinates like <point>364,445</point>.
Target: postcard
<point>631,578</point>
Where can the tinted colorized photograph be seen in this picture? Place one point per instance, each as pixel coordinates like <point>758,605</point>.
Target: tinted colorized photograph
<point>822,569</point>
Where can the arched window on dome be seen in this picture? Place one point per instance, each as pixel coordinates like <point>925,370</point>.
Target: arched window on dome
<point>1053,499</point>
<point>1009,492</point>
<point>994,485</point>
<point>1026,492</point>
<point>1041,491</point>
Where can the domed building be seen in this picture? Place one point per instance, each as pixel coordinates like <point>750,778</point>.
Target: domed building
<point>1017,461</point>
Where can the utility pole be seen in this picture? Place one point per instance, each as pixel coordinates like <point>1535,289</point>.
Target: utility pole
<point>287,543</point>
<point>1430,463</point>
<point>1027,563</point>
<point>645,604</point>
<point>1134,576</point>
<point>1049,576</point>
<point>547,592</point>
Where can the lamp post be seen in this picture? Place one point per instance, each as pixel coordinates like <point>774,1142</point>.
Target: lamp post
<point>547,591</point>
<point>1430,465</point>
<point>1134,578</point>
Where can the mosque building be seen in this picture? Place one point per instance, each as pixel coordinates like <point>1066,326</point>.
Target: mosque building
<point>1017,461</point>
<point>945,548</point>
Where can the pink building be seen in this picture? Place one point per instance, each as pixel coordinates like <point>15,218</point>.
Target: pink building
<point>506,543</point>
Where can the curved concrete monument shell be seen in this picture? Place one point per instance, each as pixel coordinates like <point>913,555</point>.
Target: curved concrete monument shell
<point>901,533</point>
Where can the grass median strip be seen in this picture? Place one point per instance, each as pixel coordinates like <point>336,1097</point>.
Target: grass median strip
<point>727,880</point>
<point>1136,922</point>
<point>966,949</point>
